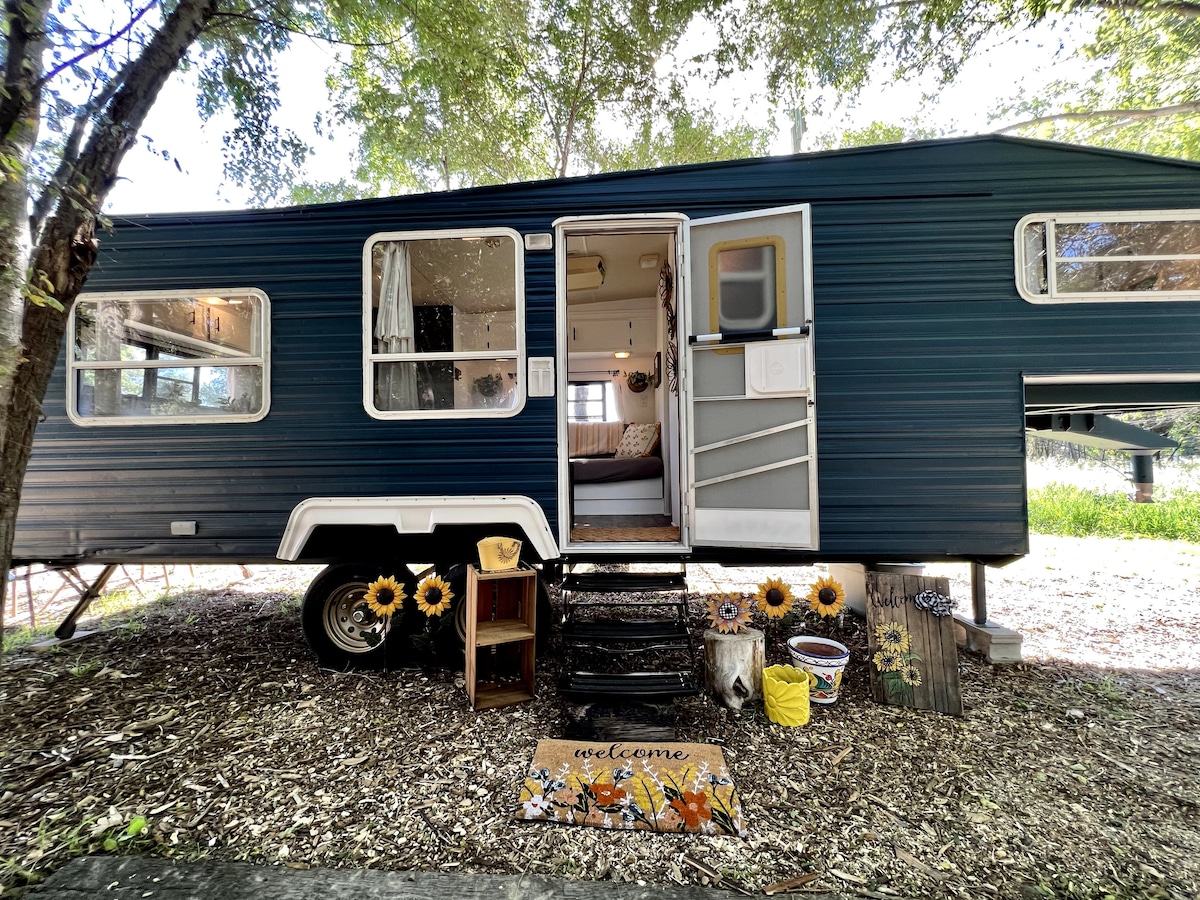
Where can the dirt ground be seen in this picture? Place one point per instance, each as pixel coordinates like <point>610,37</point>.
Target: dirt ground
<point>1075,774</point>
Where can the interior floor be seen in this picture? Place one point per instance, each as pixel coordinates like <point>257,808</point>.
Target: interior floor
<point>653,533</point>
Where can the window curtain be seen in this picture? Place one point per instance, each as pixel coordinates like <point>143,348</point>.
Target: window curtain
<point>396,383</point>
<point>620,395</point>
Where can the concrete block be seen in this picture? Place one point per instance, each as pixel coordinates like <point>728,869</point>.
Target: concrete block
<point>1001,646</point>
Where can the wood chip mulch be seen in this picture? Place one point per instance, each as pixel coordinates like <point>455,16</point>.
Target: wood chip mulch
<point>1073,775</point>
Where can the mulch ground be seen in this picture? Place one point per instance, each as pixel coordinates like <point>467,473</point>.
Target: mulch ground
<point>206,721</point>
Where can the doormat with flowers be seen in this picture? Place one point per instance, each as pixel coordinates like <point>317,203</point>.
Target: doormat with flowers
<point>631,785</point>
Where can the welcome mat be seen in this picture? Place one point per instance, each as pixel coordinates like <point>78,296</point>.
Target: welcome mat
<point>631,785</point>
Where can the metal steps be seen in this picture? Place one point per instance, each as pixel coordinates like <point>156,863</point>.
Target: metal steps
<point>624,645</point>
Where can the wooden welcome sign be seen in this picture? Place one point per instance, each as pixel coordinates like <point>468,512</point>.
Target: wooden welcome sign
<point>913,653</point>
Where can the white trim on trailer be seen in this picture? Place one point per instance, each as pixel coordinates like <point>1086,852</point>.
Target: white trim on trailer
<point>1124,378</point>
<point>416,515</point>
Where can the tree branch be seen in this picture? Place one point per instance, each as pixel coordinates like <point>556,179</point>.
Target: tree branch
<point>107,42</point>
<point>1129,115</point>
<point>1180,8</point>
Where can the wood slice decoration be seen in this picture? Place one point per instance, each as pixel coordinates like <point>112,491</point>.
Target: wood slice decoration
<point>931,643</point>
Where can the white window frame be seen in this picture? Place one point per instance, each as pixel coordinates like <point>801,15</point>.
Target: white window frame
<point>1053,295</point>
<point>262,361</point>
<point>518,355</point>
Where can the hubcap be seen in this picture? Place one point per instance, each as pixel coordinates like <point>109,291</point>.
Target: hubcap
<point>349,622</point>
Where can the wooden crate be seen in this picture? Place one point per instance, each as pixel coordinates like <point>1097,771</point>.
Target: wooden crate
<point>501,634</point>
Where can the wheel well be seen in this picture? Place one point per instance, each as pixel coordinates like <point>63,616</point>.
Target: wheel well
<point>446,544</point>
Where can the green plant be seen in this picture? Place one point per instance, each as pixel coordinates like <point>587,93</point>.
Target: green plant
<point>1076,512</point>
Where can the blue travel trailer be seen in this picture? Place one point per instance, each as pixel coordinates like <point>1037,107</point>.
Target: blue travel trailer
<point>825,357</point>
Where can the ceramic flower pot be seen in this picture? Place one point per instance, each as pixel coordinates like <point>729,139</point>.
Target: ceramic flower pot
<point>824,660</point>
<point>785,695</point>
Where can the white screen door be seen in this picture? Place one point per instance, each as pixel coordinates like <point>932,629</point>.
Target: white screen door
<point>752,477</point>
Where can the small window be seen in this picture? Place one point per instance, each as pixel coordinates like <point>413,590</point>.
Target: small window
<point>747,285</point>
<point>161,358</point>
<point>591,401</point>
<point>1109,256</point>
<point>443,321</point>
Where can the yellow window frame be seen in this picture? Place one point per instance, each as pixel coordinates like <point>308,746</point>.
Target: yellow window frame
<point>714,281</point>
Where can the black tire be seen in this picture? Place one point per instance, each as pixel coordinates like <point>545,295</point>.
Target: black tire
<point>338,627</point>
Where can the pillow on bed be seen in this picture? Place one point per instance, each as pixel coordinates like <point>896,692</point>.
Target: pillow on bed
<point>638,440</point>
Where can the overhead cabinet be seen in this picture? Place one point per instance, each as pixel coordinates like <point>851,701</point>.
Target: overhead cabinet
<point>589,333</point>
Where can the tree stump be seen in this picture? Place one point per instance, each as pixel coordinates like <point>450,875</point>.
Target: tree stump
<point>733,666</point>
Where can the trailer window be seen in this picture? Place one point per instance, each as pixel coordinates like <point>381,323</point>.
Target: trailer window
<point>443,324</point>
<point>746,284</point>
<point>150,357</point>
<point>1080,257</point>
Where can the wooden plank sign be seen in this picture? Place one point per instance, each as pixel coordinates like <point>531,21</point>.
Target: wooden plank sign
<point>924,675</point>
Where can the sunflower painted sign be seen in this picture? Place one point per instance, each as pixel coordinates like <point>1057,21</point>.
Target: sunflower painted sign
<point>668,787</point>
<point>912,648</point>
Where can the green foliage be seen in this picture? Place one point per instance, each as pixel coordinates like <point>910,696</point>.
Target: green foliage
<point>1076,512</point>
<point>1144,93</point>
<point>875,133</point>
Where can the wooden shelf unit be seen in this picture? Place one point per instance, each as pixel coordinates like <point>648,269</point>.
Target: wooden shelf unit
<point>501,630</point>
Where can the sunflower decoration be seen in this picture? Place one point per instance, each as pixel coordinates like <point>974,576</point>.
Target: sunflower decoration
<point>910,674</point>
<point>888,659</point>
<point>433,596</point>
<point>385,596</point>
<point>729,614</point>
<point>893,636</point>
<point>775,598</point>
<point>895,661</point>
<point>826,597</point>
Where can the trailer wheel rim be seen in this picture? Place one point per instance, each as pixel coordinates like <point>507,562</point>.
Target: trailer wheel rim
<point>339,619</point>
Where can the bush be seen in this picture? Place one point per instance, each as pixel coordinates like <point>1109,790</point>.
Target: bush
<point>1076,512</point>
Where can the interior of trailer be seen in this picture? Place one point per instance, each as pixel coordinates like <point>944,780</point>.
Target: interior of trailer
<point>621,405</point>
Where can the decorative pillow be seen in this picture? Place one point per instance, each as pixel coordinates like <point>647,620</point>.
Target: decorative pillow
<point>594,438</point>
<point>638,440</point>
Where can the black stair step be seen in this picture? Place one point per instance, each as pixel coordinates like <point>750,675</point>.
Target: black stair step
<point>624,582</point>
<point>630,684</point>
<point>664,632</point>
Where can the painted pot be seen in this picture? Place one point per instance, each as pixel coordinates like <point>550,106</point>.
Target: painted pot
<point>824,660</point>
<point>785,695</point>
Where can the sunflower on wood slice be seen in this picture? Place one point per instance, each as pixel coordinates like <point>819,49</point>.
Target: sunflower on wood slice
<point>433,596</point>
<point>385,597</point>
<point>826,597</point>
<point>728,614</point>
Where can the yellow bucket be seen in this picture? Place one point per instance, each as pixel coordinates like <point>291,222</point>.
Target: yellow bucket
<point>496,554</point>
<point>785,695</point>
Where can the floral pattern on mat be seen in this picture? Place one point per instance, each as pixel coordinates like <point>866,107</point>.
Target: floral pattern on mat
<point>660,793</point>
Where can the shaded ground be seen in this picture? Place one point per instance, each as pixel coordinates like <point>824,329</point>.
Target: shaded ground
<point>1076,775</point>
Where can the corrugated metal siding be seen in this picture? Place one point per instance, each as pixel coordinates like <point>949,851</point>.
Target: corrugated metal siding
<point>921,343</point>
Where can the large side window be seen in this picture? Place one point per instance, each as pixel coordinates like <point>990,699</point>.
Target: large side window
<point>443,321</point>
<point>1085,257</point>
<point>168,357</point>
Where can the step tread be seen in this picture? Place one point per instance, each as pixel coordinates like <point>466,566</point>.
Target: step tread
<point>631,684</point>
<point>625,630</point>
<point>624,582</point>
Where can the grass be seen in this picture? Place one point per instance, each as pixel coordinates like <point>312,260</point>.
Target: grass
<point>1072,511</point>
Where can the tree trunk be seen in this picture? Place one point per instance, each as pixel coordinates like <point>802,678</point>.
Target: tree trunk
<point>66,250</point>
<point>733,665</point>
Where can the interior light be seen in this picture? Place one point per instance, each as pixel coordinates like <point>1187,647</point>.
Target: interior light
<point>622,354</point>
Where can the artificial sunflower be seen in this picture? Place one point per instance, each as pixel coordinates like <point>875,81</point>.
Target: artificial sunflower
<point>910,675</point>
<point>730,614</point>
<point>775,598</point>
<point>826,597</point>
<point>433,596</point>
<point>888,660</point>
<point>892,635</point>
<point>384,596</point>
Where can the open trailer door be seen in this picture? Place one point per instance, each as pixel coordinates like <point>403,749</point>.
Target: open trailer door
<point>752,468</point>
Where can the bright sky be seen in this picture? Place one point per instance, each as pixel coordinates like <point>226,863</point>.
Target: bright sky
<point>151,184</point>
